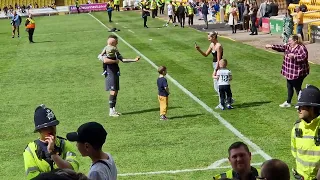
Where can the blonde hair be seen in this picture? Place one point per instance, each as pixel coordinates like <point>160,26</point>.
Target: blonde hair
<point>225,61</point>
<point>213,34</point>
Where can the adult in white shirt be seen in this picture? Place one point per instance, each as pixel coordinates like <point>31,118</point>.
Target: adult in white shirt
<point>170,14</point>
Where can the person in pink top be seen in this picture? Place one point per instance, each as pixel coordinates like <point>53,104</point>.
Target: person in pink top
<point>295,66</point>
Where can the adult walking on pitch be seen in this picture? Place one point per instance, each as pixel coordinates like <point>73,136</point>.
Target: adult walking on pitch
<point>216,49</point>
<point>295,66</point>
<point>112,77</point>
<point>30,27</point>
<point>15,22</point>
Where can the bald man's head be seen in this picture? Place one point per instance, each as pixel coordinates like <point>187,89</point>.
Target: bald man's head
<point>275,169</point>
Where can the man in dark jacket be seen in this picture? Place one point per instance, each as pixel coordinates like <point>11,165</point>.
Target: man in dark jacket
<point>181,14</point>
<point>205,13</point>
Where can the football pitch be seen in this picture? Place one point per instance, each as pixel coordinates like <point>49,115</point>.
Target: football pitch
<point>61,70</point>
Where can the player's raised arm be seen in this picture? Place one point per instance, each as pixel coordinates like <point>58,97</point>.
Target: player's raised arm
<point>131,60</point>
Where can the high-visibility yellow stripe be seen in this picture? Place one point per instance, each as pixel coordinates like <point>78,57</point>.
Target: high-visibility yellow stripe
<point>307,163</point>
<point>32,169</point>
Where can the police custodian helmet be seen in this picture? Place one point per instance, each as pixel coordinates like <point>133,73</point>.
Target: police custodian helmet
<point>44,117</point>
<point>310,96</point>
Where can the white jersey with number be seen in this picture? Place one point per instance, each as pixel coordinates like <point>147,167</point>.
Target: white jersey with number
<point>224,76</point>
<point>170,10</point>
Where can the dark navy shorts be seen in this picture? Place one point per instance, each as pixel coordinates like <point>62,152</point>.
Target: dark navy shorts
<point>112,82</point>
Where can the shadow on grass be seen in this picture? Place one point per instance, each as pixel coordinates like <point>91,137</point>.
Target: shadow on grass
<point>43,42</point>
<point>184,116</point>
<point>147,110</point>
<point>251,104</point>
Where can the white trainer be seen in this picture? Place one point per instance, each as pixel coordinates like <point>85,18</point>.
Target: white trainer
<point>285,105</point>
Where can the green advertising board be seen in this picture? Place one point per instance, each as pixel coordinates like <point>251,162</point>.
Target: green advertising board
<point>276,26</point>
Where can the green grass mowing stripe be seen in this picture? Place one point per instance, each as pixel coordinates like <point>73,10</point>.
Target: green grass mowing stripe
<point>223,121</point>
<point>75,100</point>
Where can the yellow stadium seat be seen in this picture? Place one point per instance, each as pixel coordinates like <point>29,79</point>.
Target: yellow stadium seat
<point>306,2</point>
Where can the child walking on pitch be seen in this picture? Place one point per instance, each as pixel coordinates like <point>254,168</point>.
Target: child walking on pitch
<point>224,77</point>
<point>163,92</point>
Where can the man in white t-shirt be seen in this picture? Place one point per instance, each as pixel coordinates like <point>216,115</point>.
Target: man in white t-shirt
<point>90,138</point>
<point>170,13</point>
<point>224,77</point>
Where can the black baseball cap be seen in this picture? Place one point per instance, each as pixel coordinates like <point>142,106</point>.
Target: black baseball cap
<point>91,132</point>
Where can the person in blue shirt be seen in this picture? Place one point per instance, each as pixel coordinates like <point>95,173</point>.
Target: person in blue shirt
<point>15,22</point>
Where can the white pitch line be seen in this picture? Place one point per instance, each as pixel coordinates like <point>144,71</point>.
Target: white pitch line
<point>206,107</point>
<point>181,171</point>
<point>72,32</point>
<point>130,31</point>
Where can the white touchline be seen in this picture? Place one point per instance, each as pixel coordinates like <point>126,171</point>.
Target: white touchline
<point>183,170</point>
<point>71,32</point>
<point>130,31</point>
<point>206,107</point>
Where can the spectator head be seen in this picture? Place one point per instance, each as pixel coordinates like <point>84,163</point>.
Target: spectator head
<point>294,40</point>
<point>61,174</point>
<point>288,13</point>
<point>275,169</point>
<point>14,13</point>
<point>70,174</point>
<point>213,36</point>
<point>162,70</point>
<point>90,138</point>
<point>45,122</point>
<point>298,9</point>
<point>170,2</point>
<point>239,157</point>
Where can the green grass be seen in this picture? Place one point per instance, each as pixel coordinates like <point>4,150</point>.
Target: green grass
<point>62,71</point>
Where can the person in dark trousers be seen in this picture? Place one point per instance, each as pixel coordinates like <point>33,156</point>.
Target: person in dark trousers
<point>224,77</point>
<point>190,13</point>
<point>205,13</point>
<point>145,6</point>
<point>161,6</point>
<point>110,9</point>
<point>253,17</point>
<point>112,77</point>
<point>181,14</point>
<point>30,27</point>
<point>78,6</point>
<point>295,66</point>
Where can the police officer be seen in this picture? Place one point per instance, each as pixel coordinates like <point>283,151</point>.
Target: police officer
<point>49,152</point>
<point>239,158</point>
<point>145,6</point>
<point>305,136</point>
<point>30,27</point>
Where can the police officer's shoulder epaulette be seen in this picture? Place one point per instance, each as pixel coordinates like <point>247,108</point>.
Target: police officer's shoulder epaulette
<point>298,121</point>
<point>61,137</point>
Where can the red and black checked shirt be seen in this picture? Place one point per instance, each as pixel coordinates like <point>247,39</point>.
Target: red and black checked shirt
<point>298,66</point>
